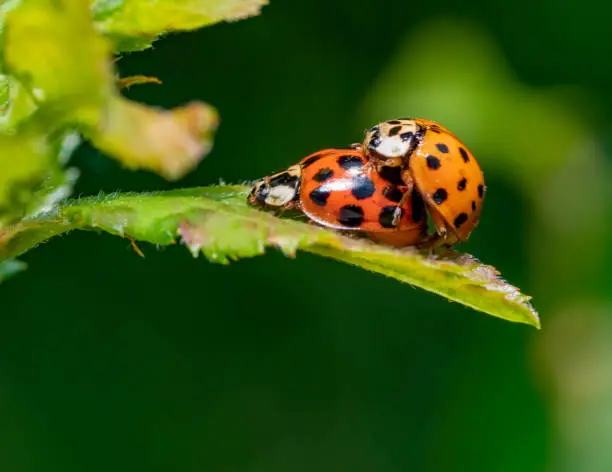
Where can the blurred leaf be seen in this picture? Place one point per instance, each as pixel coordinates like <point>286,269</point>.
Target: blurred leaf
<point>217,222</point>
<point>52,191</point>
<point>5,94</point>
<point>5,7</point>
<point>61,77</point>
<point>54,50</point>
<point>134,24</point>
<point>16,105</point>
<point>31,177</point>
<point>27,162</point>
<point>10,268</point>
<point>170,143</point>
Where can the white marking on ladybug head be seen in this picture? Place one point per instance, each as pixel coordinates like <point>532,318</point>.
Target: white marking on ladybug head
<point>394,138</point>
<point>280,195</point>
<point>279,189</point>
<point>392,147</point>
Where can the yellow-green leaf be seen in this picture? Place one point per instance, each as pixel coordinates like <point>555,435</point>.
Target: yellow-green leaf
<point>135,24</point>
<point>62,72</point>
<point>54,50</point>
<point>26,163</point>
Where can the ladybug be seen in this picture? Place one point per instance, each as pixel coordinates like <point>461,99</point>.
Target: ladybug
<point>336,188</point>
<point>422,154</point>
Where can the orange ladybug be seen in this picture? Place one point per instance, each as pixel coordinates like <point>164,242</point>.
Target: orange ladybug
<point>336,188</point>
<point>435,162</point>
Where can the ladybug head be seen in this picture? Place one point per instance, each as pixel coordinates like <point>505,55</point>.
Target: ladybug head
<point>278,190</point>
<point>393,138</point>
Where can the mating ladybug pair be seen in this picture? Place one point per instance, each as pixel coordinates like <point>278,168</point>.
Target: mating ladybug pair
<point>386,186</point>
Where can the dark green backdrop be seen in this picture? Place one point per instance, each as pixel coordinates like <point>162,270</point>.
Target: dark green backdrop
<point>113,362</point>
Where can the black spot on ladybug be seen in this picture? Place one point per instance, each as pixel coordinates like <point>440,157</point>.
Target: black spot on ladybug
<point>319,196</point>
<point>433,162</point>
<point>420,134</point>
<point>396,129</point>
<point>386,217</point>
<point>311,160</point>
<point>375,141</point>
<point>323,174</point>
<point>392,175</point>
<point>435,128</point>
<point>473,205</point>
<point>392,193</point>
<point>407,136</point>
<point>418,206</point>
<point>350,162</point>
<point>462,183</point>
<point>461,218</point>
<point>284,178</point>
<point>261,193</point>
<point>363,187</point>
<point>442,147</point>
<point>480,190</point>
<point>351,216</point>
<point>439,196</point>
<point>464,154</point>
<point>394,122</point>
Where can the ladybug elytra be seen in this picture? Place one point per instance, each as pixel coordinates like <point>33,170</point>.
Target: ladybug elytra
<point>337,189</point>
<point>438,165</point>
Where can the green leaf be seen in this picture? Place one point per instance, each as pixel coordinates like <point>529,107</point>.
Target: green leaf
<point>10,268</point>
<point>133,25</point>
<point>217,222</point>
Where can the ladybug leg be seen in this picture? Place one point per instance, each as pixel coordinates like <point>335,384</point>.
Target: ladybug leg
<point>290,206</point>
<point>407,194</point>
<point>442,229</point>
<point>437,240</point>
<point>429,244</point>
<point>355,146</point>
<point>432,242</point>
<point>394,162</point>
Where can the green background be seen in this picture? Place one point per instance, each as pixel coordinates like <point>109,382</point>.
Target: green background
<point>113,362</point>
